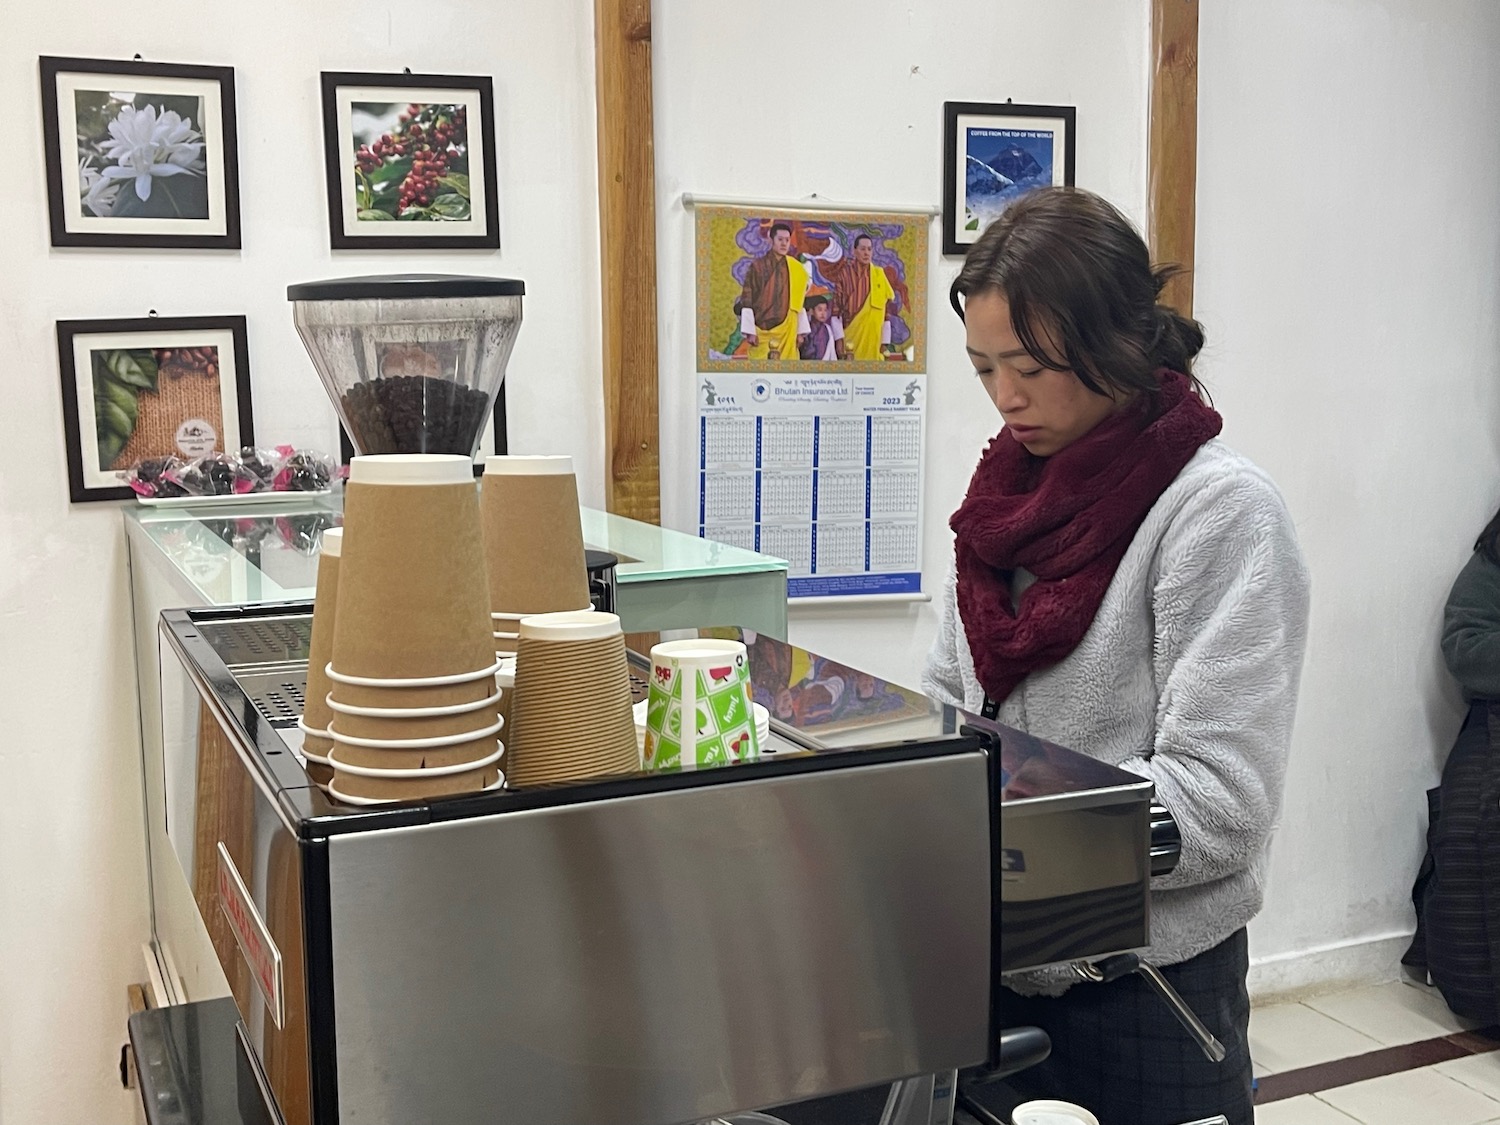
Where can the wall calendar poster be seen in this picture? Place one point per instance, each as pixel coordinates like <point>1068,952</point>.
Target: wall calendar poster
<point>811,389</point>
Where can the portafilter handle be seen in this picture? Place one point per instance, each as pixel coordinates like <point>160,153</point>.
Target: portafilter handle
<point>1111,968</point>
<point>1166,841</point>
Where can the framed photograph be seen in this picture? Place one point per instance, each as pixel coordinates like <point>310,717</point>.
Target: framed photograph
<point>411,161</point>
<point>140,154</point>
<point>810,291</point>
<point>994,153</point>
<point>150,387</point>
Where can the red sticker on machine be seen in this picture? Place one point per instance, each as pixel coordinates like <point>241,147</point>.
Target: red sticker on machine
<point>251,934</point>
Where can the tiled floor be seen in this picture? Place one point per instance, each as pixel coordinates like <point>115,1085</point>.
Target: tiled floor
<point>1322,1030</point>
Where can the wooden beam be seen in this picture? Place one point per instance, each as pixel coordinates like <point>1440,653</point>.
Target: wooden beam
<point>627,242</point>
<point>1174,142</point>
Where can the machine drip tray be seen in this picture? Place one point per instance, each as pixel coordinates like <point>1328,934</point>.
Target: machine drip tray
<point>276,693</point>
<point>258,641</point>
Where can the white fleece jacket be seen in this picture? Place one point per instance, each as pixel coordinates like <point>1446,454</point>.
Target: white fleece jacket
<point>1188,676</point>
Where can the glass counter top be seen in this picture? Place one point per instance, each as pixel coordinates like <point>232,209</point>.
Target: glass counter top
<point>234,552</point>
<point>647,552</point>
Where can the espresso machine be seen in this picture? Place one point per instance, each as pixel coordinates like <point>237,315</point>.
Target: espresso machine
<point>656,950</point>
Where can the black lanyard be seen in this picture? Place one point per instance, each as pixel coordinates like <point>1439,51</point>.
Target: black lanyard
<point>990,709</point>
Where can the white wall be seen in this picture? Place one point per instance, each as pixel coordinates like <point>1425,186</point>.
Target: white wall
<point>847,103</point>
<point>1348,233</point>
<point>72,886</point>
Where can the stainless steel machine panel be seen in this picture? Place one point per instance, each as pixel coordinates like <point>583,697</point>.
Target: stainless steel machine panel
<point>668,957</point>
<point>1075,862</point>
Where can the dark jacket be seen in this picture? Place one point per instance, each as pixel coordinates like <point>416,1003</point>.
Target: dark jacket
<point>1457,893</point>
<point>1471,629</point>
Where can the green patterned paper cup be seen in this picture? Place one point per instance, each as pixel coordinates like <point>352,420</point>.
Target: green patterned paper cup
<point>710,680</point>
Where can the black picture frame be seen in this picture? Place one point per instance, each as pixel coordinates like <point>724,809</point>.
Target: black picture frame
<point>502,435</point>
<point>1062,118</point>
<point>481,231</point>
<point>66,199</point>
<point>86,476</point>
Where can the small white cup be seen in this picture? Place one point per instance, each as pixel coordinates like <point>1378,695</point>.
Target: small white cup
<point>1052,1113</point>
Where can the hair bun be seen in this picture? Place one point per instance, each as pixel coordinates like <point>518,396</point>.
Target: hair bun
<point>1179,339</point>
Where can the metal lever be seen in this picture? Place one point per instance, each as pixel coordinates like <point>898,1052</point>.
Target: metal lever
<point>924,1100</point>
<point>1112,968</point>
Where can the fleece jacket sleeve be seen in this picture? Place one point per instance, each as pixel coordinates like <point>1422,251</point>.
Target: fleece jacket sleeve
<point>1471,628</point>
<point>1230,602</point>
<point>942,678</point>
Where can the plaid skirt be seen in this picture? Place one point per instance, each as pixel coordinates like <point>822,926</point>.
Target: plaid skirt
<point>1118,1051</point>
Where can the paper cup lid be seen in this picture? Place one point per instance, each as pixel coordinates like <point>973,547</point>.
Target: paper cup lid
<point>550,465</point>
<point>577,625</point>
<point>411,468</point>
<point>1052,1113</point>
<point>332,543</point>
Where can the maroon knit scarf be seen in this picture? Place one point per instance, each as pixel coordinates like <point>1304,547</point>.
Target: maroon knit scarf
<point>1068,519</point>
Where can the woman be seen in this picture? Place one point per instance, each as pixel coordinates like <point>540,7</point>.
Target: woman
<point>1458,920</point>
<point>1127,586</point>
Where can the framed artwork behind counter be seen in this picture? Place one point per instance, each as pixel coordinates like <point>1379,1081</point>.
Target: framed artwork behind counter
<point>410,161</point>
<point>150,387</point>
<point>994,153</point>
<point>140,154</point>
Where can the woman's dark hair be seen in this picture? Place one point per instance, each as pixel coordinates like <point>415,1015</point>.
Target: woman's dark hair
<point>1077,275</point>
<point>1488,543</point>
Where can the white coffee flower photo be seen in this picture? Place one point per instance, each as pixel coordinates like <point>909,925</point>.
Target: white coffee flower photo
<point>153,145</point>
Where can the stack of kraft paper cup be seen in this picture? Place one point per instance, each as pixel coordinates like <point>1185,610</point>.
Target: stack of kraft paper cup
<point>533,542</point>
<point>571,719</point>
<point>313,721</point>
<point>414,704</point>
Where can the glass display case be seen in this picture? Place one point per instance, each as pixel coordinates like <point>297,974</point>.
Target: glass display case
<point>241,553</point>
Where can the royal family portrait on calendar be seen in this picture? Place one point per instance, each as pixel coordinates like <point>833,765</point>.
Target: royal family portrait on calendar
<point>812,291</point>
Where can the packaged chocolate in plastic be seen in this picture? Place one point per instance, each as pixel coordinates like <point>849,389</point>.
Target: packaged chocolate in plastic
<point>218,474</point>
<point>303,470</point>
<point>263,463</point>
<point>151,478</point>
